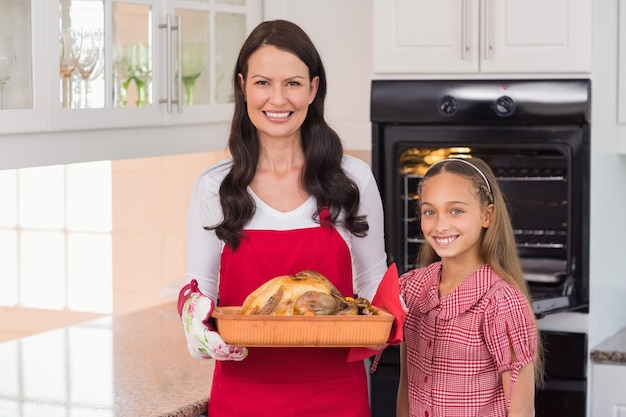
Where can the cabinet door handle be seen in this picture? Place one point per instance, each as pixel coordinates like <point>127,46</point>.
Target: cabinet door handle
<point>179,58</point>
<point>464,27</point>
<point>170,64</point>
<point>488,13</point>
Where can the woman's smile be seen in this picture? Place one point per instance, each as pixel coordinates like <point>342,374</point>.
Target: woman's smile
<point>278,116</point>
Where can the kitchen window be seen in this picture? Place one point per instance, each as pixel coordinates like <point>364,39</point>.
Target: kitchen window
<point>55,237</point>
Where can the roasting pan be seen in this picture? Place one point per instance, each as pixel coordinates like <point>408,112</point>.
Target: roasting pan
<point>302,331</point>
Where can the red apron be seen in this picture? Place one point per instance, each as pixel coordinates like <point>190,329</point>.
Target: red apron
<point>286,382</point>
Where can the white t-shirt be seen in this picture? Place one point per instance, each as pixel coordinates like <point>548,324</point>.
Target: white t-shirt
<point>204,249</point>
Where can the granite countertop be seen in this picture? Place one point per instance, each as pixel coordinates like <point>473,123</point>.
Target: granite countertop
<point>134,365</point>
<point>612,350</point>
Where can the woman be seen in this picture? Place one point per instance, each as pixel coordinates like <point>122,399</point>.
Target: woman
<point>287,200</point>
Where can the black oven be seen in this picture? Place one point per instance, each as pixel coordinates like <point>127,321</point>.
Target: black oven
<point>534,134</point>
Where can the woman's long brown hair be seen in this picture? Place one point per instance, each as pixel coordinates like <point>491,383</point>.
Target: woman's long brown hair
<point>322,175</point>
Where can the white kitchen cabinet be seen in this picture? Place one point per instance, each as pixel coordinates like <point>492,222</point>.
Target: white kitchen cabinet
<point>482,36</point>
<point>140,46</point>
<point>22,67</point>
<point>608,395</point>
<point>621,79</point>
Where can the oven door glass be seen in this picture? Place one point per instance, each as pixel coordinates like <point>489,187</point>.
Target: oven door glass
<point>537,170</point>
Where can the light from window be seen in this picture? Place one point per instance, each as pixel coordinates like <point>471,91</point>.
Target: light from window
<point>55,237</point>
<point>41,273</point>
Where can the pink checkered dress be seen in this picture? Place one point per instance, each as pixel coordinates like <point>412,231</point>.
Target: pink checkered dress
<point>458,345</point>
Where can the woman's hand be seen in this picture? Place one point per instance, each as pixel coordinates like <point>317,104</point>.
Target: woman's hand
<point>203,341</point>
<point>402,407</point>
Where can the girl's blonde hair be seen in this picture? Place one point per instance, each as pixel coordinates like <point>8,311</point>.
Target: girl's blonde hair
<point>498,248</point>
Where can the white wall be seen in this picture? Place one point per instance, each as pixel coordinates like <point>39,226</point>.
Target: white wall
<point>608,181</point>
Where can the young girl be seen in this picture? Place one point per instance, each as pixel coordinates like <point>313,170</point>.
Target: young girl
<point>471,346</point>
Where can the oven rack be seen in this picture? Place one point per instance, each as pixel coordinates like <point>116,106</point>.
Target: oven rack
<point>519,177</point>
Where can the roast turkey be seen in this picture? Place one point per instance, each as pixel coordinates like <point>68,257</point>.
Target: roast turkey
<point>305,293</point>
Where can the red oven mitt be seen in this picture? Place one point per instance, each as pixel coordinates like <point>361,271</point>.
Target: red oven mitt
<point>387,297</point>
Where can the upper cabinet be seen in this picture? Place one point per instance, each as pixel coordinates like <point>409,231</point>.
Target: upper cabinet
<point>93,64</point>
<point>22,58</point>
<point>482,36</point>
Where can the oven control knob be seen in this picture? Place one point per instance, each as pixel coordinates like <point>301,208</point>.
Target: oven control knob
<point>505,106</point>
<point>448,105</point>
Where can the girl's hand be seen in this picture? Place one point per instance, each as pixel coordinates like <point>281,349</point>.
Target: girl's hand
<point>522,399</point>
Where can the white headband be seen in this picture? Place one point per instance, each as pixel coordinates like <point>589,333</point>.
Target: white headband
<point>468,163</point>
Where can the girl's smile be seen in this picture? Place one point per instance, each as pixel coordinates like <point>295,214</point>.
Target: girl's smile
<point>444,241</point>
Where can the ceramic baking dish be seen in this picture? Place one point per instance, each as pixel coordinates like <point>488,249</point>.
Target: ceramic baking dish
<point>302,331</point>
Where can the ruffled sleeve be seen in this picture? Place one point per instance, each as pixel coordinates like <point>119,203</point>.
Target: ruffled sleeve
<point>510,324</point>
